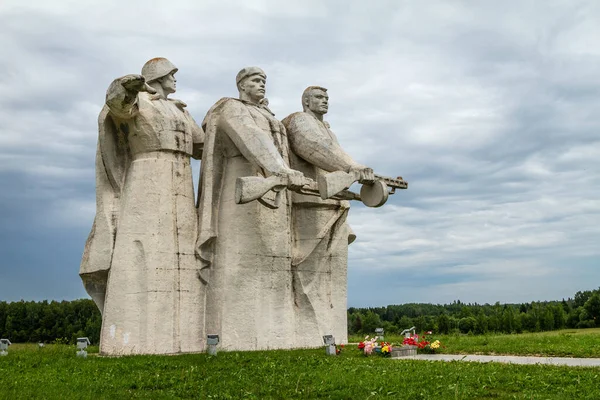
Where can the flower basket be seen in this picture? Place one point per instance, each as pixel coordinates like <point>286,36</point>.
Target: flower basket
<point>413,343</point>
<point>370,346</point>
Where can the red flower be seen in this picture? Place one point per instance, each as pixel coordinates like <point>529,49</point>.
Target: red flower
<point>361,345</point>
<point>422,344</point>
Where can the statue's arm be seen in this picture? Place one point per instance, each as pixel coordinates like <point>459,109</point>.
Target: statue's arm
<point>309,141</point>
<point>254,144</point>
<point>121,96</point>
<point>197,137</point>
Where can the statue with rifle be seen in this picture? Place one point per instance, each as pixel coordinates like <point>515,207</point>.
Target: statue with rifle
<point>245,246</point>
<point>332,185</point>
<point>320,232</point>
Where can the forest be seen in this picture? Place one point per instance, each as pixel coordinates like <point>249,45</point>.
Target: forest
<point>50,322</point>
<point>582,311</point>
<point>64,321</point>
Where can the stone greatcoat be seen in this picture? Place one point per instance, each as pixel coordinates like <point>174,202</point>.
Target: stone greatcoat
<point>245,248</point>
<point>139,264</point>
<point>321,235</point>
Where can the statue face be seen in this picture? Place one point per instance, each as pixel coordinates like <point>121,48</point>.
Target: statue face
<point>254,87</point>
<point>318,101</point>
<point>169,84</point>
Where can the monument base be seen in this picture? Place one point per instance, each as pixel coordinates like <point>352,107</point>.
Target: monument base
<point>404,351</point>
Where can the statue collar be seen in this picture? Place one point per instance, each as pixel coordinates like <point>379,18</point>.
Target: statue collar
<point>262,105</point>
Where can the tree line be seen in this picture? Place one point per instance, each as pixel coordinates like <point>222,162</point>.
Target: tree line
<point>65,321</point>
<point>582,311</point>
<point>46,322</point>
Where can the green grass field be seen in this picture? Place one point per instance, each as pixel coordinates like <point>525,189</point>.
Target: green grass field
<point>55,373</point>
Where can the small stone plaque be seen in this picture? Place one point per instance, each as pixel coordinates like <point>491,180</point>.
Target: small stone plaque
<point>404,351</point>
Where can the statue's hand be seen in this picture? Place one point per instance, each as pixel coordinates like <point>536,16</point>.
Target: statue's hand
<point>136,83</point>
<point>364,174</point>
<point>296,179</point>
<point>133,83</point>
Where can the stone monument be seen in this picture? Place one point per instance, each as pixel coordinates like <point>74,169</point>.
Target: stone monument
<point>246,249</point>
<point>139,263</point>
<point>321,235</point>
<point>260,261</point>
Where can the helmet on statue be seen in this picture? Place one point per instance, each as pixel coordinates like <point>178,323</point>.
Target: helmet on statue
<point>157,68</point>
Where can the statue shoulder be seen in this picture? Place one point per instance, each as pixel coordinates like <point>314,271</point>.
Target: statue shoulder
<point>145,96</point>
<point>297,116</point>
<point>299,121</point>
<point>179,104</point>
<point>145,100</point>
<point>225,105</point>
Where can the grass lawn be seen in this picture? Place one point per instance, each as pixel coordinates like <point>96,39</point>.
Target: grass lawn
<point>55,373</point>
<point>564,343</point>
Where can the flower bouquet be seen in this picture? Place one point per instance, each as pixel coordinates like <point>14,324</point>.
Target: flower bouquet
<point>386,349</point>
<point>432,347</point>
<point>413,340</point>
<point>368,346</point>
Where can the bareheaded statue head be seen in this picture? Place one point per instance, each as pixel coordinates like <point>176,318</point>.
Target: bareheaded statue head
<point>251,83</point>
<point>316,100</point>
<point>160,72</point>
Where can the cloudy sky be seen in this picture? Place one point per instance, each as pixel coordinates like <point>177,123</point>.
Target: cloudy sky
<point>490,110</point>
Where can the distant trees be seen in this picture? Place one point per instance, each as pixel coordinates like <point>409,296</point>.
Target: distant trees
<point>29,321</point>
<point>592,307</point>
<point>583,311</point>
<point>443,323</point>
<point>370,321</point>
<point>468,324</point>
<point>45,321</point>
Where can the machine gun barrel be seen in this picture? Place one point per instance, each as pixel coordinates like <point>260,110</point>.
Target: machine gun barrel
<point>397,183</point>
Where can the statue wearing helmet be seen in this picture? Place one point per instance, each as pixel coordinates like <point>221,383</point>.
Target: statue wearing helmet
<point>157,68</point>
<point>145,228</point>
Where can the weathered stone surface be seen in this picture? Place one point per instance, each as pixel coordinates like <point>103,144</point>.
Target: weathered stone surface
<point>404,351</point>
<point>321,234</point>
<point>261,260</point>
<point>139,263</point>
<point>246,248</point>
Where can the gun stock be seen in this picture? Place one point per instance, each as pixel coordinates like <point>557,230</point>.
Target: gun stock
<point>334,182</point>
<point>250,188</point>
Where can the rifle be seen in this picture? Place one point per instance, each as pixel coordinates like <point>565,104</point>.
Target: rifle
<point>373,195</point>
<point>249,188</point>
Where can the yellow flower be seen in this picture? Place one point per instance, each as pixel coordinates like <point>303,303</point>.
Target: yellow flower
<point>435,344</point>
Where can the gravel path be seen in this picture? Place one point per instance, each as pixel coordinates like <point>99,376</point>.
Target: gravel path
<point>572,362</point>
